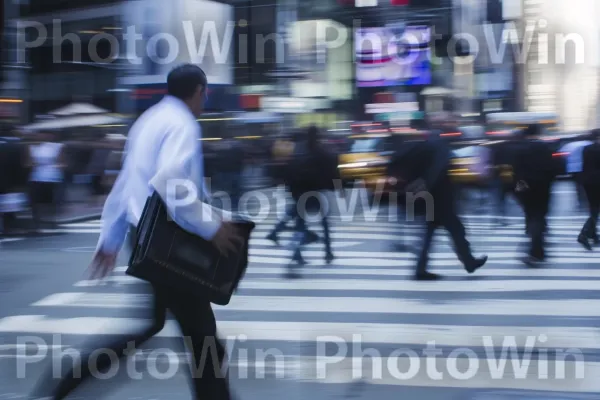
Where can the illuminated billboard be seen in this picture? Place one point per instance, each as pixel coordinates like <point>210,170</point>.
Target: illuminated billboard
<point>393,55</point>
<point>185,31</point>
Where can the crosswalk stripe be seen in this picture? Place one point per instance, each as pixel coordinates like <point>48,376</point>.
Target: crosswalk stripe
<point>344,305</point>
<point>556,308</point>
<point>356,233</point>
<point>357,225</point>
<point>380,262</point>
<point>256,254</point>
<point>390,273</point>
<point>577,375</point>
<point>367,333</point>
<point>483,273</point>
<point>391,263</point>
<point>84,299</point>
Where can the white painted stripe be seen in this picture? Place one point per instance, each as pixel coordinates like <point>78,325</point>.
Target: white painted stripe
<point>340,244</point>
<point>408,264</point>
<point>274,216</point>
<point>103,300</point>
<point>283,252</point>
<point>382,262</point>
<point>382,233</point>
<point>271,222</point>
<point>557,308</point>
<point>11,240</point>
<point>25,346</point>
<point>337,235</point>
<point>503,286</point>
<point>408,270</point>
<point>490,230</point>
<point>443,335</point>
<point>82,230</point>
<point>482,273</point>
<point>579,377</point>
<point>95,224</point>
<point>552,217</point>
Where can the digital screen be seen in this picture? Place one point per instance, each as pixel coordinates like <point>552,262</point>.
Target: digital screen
<point>188,31</point>
<point>393,55</point>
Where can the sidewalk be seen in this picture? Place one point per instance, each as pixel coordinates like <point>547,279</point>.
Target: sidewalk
<point>79,212</point>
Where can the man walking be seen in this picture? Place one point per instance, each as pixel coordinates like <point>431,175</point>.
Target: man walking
<point>424,164</point>
<point>590,179</point>
<point>535,169</point>
<point>163,144</point>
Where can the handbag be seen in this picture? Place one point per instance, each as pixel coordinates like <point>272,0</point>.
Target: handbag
<point>170,257</point>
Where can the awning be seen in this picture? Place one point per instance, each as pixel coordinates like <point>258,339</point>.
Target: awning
<point>78,109</point>
<point>74,122</point>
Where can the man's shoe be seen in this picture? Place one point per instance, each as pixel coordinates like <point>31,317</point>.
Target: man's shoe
<point>427,276</point>
<point>273,238</point>
<point>532,262</point>
<point>582,240</point>
<point>329,257</point>
<point>476,264</point>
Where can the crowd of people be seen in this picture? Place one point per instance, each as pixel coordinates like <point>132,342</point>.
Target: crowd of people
<point>37,171</point>
<point>163,144</point>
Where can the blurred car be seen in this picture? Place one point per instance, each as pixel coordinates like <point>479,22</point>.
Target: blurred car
<point>366,159</point>
<point>470,160</point>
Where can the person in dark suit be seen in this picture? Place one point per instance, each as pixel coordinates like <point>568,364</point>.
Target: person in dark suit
<point>14,157</point>
<point>424,165</point>
<point>535,169</point>
<point>590,179</point>
<point>311,171</point>
<point>503,153</point>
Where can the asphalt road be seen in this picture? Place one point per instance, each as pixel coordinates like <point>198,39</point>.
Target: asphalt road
<point>358,328</point>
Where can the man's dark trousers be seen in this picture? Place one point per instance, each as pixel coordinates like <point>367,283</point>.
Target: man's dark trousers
<point>593,197</point>
<point>198,326</point>
<point>536,201</point>
<point>445,216</point>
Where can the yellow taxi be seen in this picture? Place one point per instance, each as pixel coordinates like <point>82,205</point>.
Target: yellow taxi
<point>367,156</point>
<point>366,160</point>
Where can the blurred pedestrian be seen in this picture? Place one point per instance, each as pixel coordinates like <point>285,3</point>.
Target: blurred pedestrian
<point>424,165</point>
<point>310,173</point>
<point>47,176</point>
<point>535,169</point>
<point>590,179</point>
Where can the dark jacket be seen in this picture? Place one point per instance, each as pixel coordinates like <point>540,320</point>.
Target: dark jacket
<point>424,159</point>
<point>14,171</point>
<point>428,160</point>
<point>310,170</point>
<point>534,163</point>
<point>591,165</point>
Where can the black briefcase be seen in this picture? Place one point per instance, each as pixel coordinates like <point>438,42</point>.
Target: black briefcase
<point>172,258</point>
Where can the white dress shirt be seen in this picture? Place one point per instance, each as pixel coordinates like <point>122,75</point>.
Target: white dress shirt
<point>45,157</point>
<point>163,147</point>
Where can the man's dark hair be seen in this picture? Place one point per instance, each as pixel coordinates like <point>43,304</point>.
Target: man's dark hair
<point>183,81</point>
<point>595,134</point>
